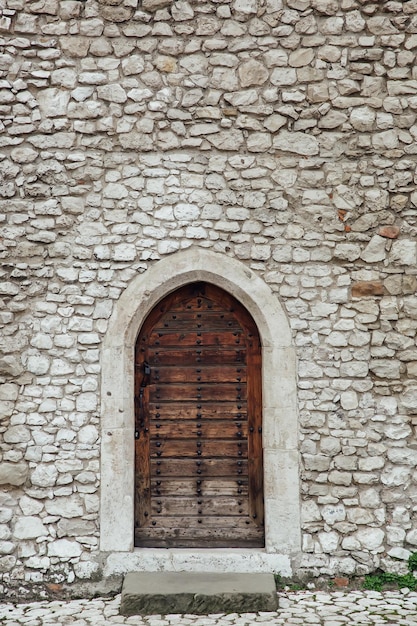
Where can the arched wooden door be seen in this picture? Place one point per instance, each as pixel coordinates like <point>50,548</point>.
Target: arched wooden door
<point>198,431</point>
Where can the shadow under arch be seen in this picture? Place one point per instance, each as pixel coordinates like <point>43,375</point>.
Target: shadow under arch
<point>280,420</point>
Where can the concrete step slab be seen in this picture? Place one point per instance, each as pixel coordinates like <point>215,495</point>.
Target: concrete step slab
<point>151,593</point>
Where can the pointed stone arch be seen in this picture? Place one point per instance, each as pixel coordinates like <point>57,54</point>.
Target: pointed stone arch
<point>280,424</point>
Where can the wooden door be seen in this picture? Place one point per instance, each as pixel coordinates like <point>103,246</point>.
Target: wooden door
<point>198,431</point>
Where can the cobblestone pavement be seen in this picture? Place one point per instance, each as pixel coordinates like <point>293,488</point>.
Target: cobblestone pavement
<point>301,607</point>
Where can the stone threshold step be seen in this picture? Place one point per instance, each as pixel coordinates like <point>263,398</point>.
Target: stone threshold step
<point>152,593</point>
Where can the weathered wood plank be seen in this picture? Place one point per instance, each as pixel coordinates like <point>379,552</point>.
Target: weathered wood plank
<point>153,537</point>
<point>184,448</point>
<point>194,339</point>
<point>180,373</point>
<point>196,318</point>
<point>196,486</point>
<point>219,505</point>
<point>198,355</point>
<point>195,411</point>
<point>255,452</point>
<point>199,467</point>
<point>236,430</point>
<point>217,523</point>
<point>220,392</point>
<point>142,482</point>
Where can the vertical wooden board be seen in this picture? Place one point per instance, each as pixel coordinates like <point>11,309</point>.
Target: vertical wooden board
<point>142,483</point>
<point>255,452</point>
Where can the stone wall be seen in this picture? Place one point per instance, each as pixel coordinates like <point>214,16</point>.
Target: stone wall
<point>281,133</point>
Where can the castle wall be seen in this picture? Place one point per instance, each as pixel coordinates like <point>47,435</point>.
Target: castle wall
<point>278,133</point>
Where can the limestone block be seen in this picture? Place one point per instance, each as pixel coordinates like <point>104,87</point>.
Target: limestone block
<point>224,78</point>
<point>336,338</point>
<point>64,548</point>
<point>396,476</point>
<point>5,532</point>
<point>310,512</point>
<point>85,110</point>
<point>241,98</point>
<point>354,21</point>
<point>92,27</point>
<point>112,93</point>
<point>283,77</point>
<point>406,456</point>
<point>329,541</point>
<point>195,64</point>
<point>23,154</point>
<point>400,553</point>
<point>227,139</point>
<point>259,142</point>
<point>7,547</point>
<point>332,119</point>
<point>330,446</point>
<point>307,369</point>
<point>277,57</point>
<point>371,463</point>
<point>385,368</point>
<point>7,563</point>
<point>411,537</point>
<point>363,118</point>
<point>154,5</point>
<point>80,324</point>
<point>9,289</point>
<point>395,535</point>
<point>86,401</point>
<point>57,140</point>
<point>66,507</point>
<point>381,25</point>
<point>60,367</point>
<point>65,435</point>
<point>133,65</point>
<point>301,57</point>
<point>397,431</point>
<point>44,475</point>
<point>386,140</point>
<point>13,473</point>
<point>17,434</point>
<point>370,538</point>
<point>370,498</point>
<point>88,434</point>
<point>354,369</point>
<point>316,462</point>
<point>403,252</point>
<point>100,47</point>
<point>349,400</point>
<point>252,72</point>
<point>75,46</point>
<point>29,527</point>
<point>86,569</point>
<point>333,513</point>
<point>30,506</point>
<point>135,141</point>
<point>340,478</point>
<point>38,562</point>
<point>6,408</point>
<point>297,142</point>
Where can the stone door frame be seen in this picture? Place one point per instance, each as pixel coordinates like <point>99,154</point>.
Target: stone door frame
<point>280,419</point>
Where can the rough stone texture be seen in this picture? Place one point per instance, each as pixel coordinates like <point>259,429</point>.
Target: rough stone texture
<point>13,473</point>
<point>281,134</point>
<point>176,592</point>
